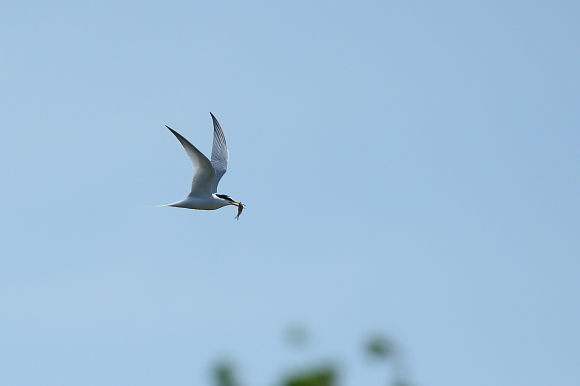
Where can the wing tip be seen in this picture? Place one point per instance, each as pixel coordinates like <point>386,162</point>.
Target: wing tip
<point>173,131</point>
<point>213,118</point>
<point>216,125</point>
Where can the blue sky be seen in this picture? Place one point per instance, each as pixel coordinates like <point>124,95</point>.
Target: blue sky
<point>409,168</point>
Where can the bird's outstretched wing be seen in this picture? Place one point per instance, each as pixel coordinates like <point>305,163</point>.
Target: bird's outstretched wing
<point>219,154</point>
<point>203,171</point>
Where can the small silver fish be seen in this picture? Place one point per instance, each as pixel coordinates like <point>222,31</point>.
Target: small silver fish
<point>240,210</point>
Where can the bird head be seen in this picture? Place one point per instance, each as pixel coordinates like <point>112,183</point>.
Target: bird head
<point>231,201</point>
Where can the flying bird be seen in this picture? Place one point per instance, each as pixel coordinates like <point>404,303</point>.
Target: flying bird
<point>207,174</point>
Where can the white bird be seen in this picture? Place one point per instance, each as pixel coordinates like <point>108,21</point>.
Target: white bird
<point>207,174</point>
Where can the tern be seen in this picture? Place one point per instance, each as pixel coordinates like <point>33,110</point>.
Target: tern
<point>207,174</point>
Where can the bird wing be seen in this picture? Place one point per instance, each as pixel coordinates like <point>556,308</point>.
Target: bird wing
<point>219,154</point>
<point>203,171</point>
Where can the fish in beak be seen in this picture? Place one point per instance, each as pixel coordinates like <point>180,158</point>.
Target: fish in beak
<point>240,209</point>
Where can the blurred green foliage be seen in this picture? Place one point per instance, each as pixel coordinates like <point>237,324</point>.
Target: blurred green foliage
<point>297,335</point>
<point>379,347</point>
<point>325,376</point>
<point>376,347</point>
<point>224,374</point>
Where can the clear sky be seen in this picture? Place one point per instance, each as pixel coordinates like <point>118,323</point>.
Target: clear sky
<point>410,168</point>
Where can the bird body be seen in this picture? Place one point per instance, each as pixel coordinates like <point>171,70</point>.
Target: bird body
<point>202,203</point>
<point>207,174</point>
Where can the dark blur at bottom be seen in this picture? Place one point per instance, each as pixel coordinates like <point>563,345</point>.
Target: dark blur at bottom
<point>376,348</point>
